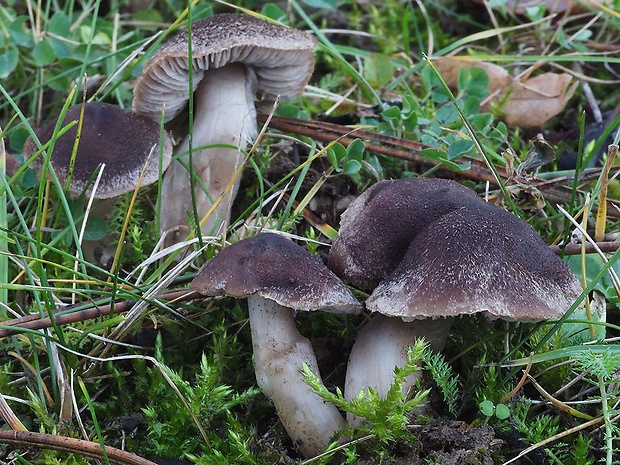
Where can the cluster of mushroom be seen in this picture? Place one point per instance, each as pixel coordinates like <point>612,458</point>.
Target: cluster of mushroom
<point>236,59</point>
<point>429,249</point>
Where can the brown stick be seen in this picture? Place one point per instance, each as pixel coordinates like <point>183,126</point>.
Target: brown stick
<point>71,445</point>
<point>575,249</point>
<point>328,132</point>
<point>35,322</point>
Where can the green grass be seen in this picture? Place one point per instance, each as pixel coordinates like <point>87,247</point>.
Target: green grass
<point>184,369</point>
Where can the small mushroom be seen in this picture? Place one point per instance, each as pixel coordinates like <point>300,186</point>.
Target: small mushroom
<point>127,144</point>
<point>236,59</point>
<point>461,260</point>
<point>123,141</point>
<point>277,276</point>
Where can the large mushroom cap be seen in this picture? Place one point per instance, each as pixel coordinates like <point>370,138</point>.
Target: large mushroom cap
<point>377,228</point>
<point>280,59</point>
<point>478,258</point>
<point>277,269</point>
<point>122,140</point>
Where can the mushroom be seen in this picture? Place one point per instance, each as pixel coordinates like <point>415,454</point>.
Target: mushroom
<point>378,226</point>
<point>460,260</point>
<point>236,59</point>
<point>277,276</point>
<point>127,144</point>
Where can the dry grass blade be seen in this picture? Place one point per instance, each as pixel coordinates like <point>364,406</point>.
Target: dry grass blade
<point>555,437</point>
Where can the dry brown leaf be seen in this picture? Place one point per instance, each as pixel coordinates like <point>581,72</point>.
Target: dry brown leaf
<point>530,103</point>
<point>538,99</point>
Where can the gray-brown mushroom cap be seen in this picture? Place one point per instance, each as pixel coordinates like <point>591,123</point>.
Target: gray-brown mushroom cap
<point>122,140</point>
<point>377,228</point>
<point>277,269</point>
<point>478,258</point>
<point>281,61</point>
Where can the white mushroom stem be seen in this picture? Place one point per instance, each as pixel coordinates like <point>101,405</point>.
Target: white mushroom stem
<point>279,354</point>
<point>224,113</point>
<point>381,346</point>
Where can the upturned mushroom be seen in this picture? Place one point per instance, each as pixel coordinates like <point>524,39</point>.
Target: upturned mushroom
<point>464,258</point>
<point>236,59</point>
<point>277,276</point>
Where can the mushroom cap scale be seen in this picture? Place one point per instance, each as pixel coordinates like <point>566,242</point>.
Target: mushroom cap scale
<point>281,61</point>
<point>275,268</point>
<point>475,259</point>
<point>378,226</point>
<point>122,140</point>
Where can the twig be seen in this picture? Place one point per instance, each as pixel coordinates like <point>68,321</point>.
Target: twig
<point>575,249</point>
<point>71,445</point>
<point>327,132</point>
<point>405,149</point>
<point>35,322</point>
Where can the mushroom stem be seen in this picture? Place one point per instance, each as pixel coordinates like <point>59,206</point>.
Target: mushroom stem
<point>380,346</point>
<point>224,114</point>
<point>279,354</point>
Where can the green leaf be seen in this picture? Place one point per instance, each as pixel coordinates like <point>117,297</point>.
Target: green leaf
<point>391,113</point>
<point>447,114</point>
<point>332,159</point>
<point>273,11</point>
<point>487,408</point>
<point>355,150</point>
<point>379,69</point>
<point>96,229</point>
<point>324,4</point>
<point>148,15</point>
<point>459,147</point>
<point>501,411</point>
<point>20,35</point>
<point>43,54</point>
<point>351,167</point>
<point>8,62</point>
<point>440,156</point>
<point>59,26</point>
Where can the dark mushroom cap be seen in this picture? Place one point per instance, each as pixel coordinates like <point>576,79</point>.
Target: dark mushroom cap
<point>377,228</point>
<point>478,258</point>
<point>122,140</point>
<point>277,269</point>
<point>280,59</point>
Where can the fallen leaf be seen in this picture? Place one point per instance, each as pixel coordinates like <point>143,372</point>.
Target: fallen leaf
<point>525,103</point>
<point>538,99</point>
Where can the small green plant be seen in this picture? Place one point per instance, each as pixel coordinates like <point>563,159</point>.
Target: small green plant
<point>208,401</point>
<point>490,409</point>
<point>444,377</point>
<point>387,416</point>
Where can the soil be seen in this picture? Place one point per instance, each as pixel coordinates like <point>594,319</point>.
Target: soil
<point>449,442</point>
